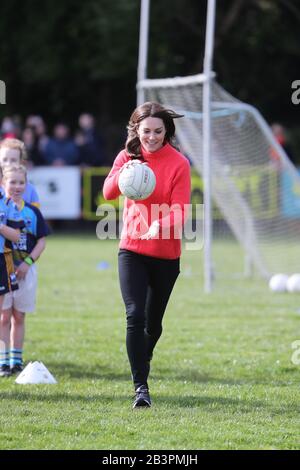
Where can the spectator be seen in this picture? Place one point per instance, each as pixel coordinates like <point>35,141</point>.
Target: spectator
<point>37,124</point>
<point>30,141</point>
<point>42,136</point>
<point>8,128</point>
<point>89,142</point>
<point>61,149</point>
<point>31,120</point>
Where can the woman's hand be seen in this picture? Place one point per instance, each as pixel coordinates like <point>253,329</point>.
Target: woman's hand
<point>132,162</point>
<point>152,232</point>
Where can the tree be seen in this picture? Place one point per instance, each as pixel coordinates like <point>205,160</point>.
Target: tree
<point>60,58</point>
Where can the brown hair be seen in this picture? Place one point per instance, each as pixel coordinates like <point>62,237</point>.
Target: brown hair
<point>149,109</point>
<point>15,144</point>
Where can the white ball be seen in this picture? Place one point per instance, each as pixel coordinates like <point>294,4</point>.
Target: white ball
<point>137,181</point>
<point>293,283</point>
<point>278,282</point>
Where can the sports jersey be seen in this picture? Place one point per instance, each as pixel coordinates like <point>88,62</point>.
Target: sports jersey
<point>9,215</point>
<point>35,228</point>
<point>30,195</point>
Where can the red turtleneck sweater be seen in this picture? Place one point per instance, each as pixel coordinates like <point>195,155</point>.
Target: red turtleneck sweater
<point>167,204</point>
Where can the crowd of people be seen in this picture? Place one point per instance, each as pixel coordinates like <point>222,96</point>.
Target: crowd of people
<point>85,147</point>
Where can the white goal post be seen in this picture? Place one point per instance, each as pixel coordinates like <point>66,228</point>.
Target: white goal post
<point>253,184</point>
<point>244,153</point>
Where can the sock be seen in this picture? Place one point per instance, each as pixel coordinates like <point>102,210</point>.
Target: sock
<point>16,357</point>
<point>4,358</point>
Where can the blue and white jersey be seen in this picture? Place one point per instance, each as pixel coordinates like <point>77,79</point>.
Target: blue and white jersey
<point>9,215</point>
<point>35,228</point>
<point>30,195</point>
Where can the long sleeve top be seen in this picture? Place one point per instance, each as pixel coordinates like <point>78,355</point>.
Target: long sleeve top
<point>168,204</point>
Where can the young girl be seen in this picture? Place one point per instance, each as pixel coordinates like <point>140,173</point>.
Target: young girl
<point>26,251</point>
<point>13,152</point>
<point>10,215</point>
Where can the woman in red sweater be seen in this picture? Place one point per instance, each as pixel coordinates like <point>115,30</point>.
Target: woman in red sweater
<point>150,245</point>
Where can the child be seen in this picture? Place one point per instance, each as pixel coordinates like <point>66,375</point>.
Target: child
<point>26,251</point>
<point>13,152</point>
<point>9,215</point>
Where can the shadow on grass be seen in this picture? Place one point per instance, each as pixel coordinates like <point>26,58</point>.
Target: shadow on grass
<point>73,370</point>
<point>211,404</point>
<point>38,395</point>
<point>86,371</point>
<point>190,375</point>
<point>267,377</point>
<point>102,371</point>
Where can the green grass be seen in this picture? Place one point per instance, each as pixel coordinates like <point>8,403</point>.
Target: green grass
<point>222,376</point>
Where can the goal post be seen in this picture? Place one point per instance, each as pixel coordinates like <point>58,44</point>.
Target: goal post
<point>254,187</point>
<point>254,184</point>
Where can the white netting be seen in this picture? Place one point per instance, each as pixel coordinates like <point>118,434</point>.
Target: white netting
<point>254,185</point>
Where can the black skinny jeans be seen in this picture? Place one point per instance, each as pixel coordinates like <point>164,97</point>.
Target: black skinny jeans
<point>146,285</point>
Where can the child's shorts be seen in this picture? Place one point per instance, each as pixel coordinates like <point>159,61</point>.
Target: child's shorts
<point>23,299</point>
<point>8,281</point>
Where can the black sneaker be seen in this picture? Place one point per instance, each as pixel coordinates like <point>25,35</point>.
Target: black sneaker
<point>16,369</point>
<point>142,397</point>
<point>5,371</point>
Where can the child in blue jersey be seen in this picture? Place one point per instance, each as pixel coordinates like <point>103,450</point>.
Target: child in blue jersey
<point>13,152</point>
<point>9,217</point>
<point>26,251</point>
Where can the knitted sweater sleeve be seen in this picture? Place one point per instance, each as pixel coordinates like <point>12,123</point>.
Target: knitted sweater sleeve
<point>110,187</point>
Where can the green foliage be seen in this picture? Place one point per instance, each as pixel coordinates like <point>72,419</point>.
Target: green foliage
<point>59,59</point>
<point>221,378</point>
<point>257,56</point>
<point>59,55</point>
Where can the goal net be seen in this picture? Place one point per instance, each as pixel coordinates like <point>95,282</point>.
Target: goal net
<point>255,187</point>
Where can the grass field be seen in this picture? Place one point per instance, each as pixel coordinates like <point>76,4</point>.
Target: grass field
<point>222,376</point>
